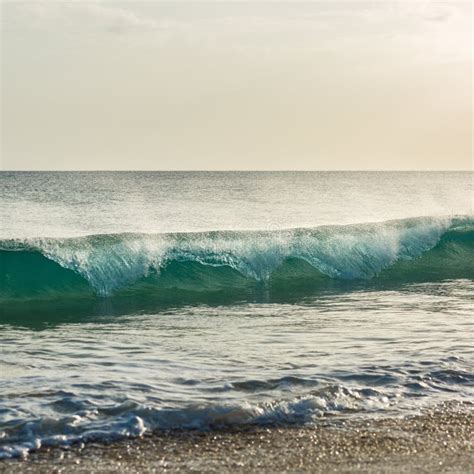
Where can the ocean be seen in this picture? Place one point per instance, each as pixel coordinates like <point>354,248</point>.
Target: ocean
<point>134,302</point>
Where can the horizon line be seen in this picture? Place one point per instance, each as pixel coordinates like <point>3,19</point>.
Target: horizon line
<point>237,170</point>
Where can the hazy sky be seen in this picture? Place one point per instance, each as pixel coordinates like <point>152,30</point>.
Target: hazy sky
<point>220,85</point>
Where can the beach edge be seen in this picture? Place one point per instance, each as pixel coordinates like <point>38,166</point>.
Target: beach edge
<point>438,440</point>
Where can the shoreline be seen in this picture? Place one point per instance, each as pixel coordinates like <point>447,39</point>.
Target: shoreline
<point>439,440</point>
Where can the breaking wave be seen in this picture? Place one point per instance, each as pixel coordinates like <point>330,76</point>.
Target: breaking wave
<point>418,249</point>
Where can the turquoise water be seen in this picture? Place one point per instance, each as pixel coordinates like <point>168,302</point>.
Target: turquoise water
<point>141,301</point>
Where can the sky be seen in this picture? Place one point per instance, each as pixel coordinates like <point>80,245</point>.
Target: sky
<point>221,85</point>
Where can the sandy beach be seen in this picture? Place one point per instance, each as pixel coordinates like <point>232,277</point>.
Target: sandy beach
<point>439,440</point>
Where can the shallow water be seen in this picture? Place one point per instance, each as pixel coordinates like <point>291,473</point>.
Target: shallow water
<point>228,328</point>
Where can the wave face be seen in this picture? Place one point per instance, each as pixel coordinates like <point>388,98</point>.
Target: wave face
<point>418,249</point>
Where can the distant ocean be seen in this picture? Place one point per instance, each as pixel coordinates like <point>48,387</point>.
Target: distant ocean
<point>139,301</point>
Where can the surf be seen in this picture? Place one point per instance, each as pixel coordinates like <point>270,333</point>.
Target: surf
<point>141,265</point>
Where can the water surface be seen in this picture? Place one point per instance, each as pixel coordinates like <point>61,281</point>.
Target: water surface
<point>141,301</point>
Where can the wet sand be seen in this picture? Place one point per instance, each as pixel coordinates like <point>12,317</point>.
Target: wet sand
<point>439,440</point>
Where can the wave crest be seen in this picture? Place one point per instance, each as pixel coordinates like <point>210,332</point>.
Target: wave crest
<point>112,262</point>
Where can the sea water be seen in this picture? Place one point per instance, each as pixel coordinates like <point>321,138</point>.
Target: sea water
<point>140,301</point>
